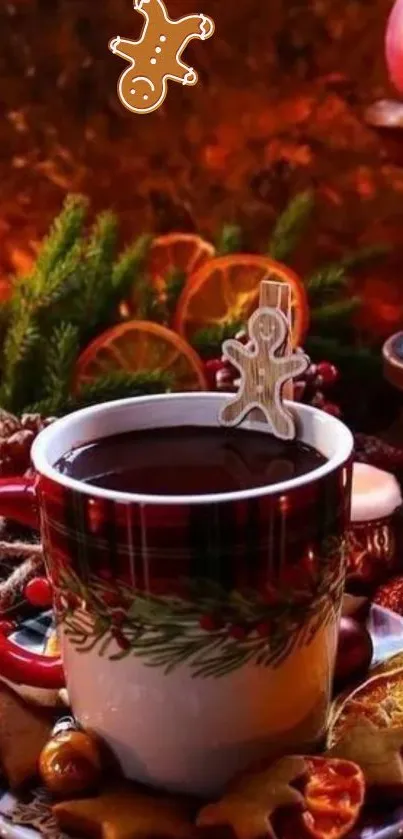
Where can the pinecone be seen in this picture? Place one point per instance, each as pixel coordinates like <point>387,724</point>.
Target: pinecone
<point>16,438</point>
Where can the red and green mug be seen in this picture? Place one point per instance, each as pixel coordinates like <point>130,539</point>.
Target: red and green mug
<point>197,632</point>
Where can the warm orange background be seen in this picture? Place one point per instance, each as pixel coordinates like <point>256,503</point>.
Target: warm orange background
<point>280,106</point>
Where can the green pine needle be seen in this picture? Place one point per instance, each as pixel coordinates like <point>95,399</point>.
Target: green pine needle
<point>60,360</point>
<point>130,267</point>
<point>119,385</point>
<point>326,280</point>
<point>64,233</point>
<point>230,240</point>
<point>208,342</point>
<point>332,313</point>
<point>362,256</point>
<point>353,361</point>
<point>290,226</point>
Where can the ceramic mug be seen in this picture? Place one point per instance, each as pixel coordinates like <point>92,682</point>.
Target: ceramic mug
<point>197,633</point>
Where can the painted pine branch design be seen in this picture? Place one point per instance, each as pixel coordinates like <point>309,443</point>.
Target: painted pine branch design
<point>214,633</point>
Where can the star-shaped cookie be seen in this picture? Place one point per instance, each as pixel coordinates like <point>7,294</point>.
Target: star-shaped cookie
<point>124,812</point>
<point>376,750</point>
<point>249,804</point>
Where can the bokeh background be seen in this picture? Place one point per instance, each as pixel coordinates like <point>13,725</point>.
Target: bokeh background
<point>280,106</point>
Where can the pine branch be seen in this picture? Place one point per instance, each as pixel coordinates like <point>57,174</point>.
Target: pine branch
<point>22,341</point>
<point>61,285</point>
<point>325,280</point>
<point>290,226</point>
<point>118,385</point>
<point>63,235</point>
<point>230,240</point>
<point>60,360</point>
<point>331,314</point>
<point>208,342</point>
<point>366,254</point>
<point>360,362</point>
<point>130,267</point>
<point>174,285</point>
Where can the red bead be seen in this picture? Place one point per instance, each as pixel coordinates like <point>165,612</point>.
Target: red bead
<point>328,373</point>
<point>332,409</point>
<point>263,629</point>
<point>105,574</point>
<point>213,365</point>
<point>118,617</point>
<point>121,640</point>
<point>209,623</point>
<point>39,592</point>
<point>112,599</point>
<point>238,632</point>
<point>7,627</point>
<point>270,596</point>
<point>211,368</point>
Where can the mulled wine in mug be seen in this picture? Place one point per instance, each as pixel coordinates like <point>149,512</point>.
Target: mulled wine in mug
<point>197,573</point>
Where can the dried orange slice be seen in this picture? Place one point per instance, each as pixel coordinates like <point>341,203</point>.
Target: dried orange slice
<point>183,252</point>
<point>226,290</point>
<point>172,253</point>
<point>379,699</point>
<point>141,345</point>
<point>334,797</point>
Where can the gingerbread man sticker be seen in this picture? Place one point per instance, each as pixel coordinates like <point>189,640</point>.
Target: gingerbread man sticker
<point>156,56</point>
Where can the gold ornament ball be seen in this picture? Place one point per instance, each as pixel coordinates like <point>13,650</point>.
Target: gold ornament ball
<point>70,764</point>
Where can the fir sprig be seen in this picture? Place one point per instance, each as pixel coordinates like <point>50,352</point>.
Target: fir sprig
<point>290,226</point>
<point>208,341</point>
<point>59,367</point>
<point>229,240</point>
<point>73,294</point>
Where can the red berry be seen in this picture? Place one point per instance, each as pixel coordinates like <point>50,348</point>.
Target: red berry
<point>318,400</point>
<point>238,632</point>
<point>118,617</point>
<point>211,368</point>
<point>112,599</point>
<point>213,365</point>
<point>7,627</point>
<point>38,592</point>
<point>105,574</point>
<point>72,600</point>
<point>209,623</point>
<point>121,639</point>
<point>263,629</point>
<point>270,596</point>
<point>327,372</point>
<point>331,408</point>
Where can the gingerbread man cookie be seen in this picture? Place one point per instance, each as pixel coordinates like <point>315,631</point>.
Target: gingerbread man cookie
<point>263,373</point>
<point>156,56</point>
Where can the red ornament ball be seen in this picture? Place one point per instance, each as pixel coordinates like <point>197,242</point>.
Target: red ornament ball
<point>39,592</point>
<point>390,595</point>
<point>354,652</point>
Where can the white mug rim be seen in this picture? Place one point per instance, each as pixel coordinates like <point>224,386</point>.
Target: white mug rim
<point>43,467</point>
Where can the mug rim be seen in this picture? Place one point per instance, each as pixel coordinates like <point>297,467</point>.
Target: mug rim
<point>44,468</point>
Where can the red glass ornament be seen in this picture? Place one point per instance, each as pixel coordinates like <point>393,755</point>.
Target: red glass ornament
<point>354,652</point>
<point>394,45</point>
<point>39,592</point>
